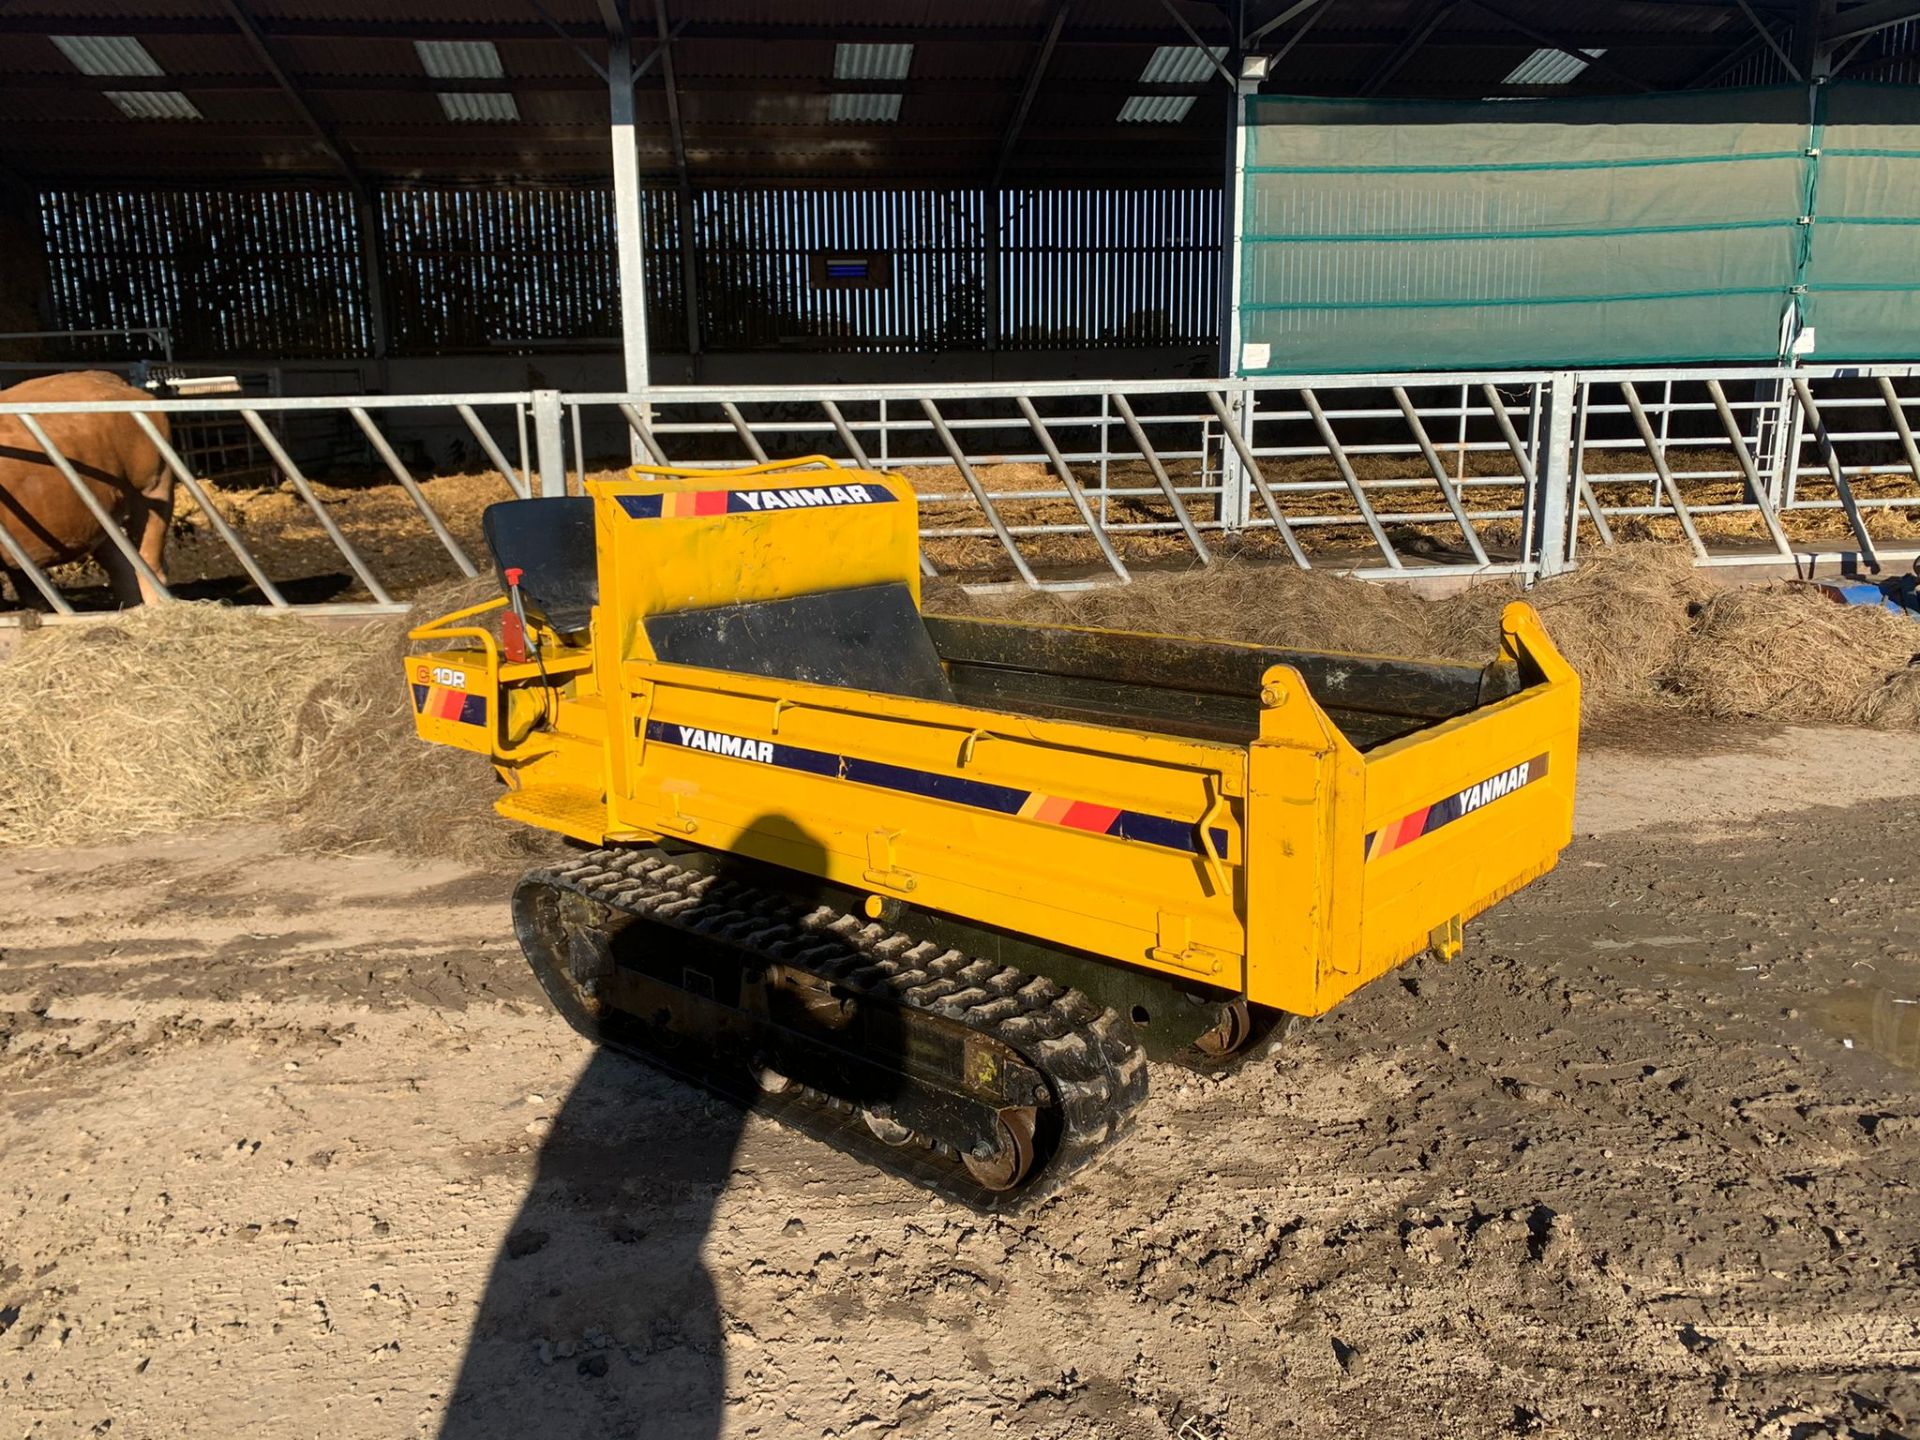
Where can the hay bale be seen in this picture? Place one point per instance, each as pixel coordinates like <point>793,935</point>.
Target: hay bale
<point>1895,703</point>
<point>167,716</point>
<point>177,715</point>
<point>373,785</point>
<point>1780,652</point>
<point>1620,619</point>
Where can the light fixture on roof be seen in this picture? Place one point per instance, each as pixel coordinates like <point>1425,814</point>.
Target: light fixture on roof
<point>1169,65</point>
<point>467,60</point>
<point>1155,109</point>
<point>1551,67</point>
<point>119,55</point>
<point>868,62</point>
<point>153,105</point>
<point>863,109</point>
<point>478,105</point>
<point>1181,64</point>
<point>872,62</point>
<point>460,59</point>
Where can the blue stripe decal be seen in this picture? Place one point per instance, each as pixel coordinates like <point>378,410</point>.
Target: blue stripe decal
<point>419,697</point>
<point>955,789</point>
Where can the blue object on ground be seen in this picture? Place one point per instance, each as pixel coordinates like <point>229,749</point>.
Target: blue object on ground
<point>1900,593</point>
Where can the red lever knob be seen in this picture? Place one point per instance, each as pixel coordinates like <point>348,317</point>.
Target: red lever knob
<point>513,577</point>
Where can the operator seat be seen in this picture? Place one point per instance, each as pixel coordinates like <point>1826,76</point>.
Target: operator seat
<point>551,543</point>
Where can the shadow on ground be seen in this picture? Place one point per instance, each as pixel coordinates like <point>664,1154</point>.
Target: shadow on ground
<point>599,1318</point>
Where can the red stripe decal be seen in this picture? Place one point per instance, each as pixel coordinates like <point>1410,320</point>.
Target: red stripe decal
<point>709,502</point>
<point>1085,815</point>
<point>1413,827</point>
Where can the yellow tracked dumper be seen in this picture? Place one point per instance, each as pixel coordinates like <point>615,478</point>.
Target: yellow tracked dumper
<point>935,889</point>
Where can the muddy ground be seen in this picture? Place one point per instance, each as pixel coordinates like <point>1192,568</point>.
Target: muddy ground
<point>293,1147</point>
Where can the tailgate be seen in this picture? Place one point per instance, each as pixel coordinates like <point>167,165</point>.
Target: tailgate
<point>1419,834</point>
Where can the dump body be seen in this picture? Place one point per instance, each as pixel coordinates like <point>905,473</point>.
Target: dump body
<point>753,677</point>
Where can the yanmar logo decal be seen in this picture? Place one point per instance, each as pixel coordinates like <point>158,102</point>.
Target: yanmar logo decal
<point>1409,828</point>
<point>715,742</point>
<point>684,504</point>
<point>1505,783</point>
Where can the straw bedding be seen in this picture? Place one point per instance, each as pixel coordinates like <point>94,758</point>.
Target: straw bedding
<point>187,714</point>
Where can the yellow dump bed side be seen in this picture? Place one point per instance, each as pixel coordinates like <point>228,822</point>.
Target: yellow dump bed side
<point>1083,836</point>
<point>1387,853</point>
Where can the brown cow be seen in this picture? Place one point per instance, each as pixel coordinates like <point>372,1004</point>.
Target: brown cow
<point>39,508</point>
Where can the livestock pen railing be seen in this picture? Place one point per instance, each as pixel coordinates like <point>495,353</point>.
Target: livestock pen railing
<point>1069,485</point>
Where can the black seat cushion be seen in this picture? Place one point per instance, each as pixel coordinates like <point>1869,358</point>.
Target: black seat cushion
<point>551,543</point>
<point>867,638</point>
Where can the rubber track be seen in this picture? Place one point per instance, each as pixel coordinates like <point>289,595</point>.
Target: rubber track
<point>1097,1070</point>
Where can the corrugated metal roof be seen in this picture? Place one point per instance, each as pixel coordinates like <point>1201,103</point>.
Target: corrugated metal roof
<point>881,88</point>
<point>459,59</point>
<point>153,104</point>
<point>106,54</point>
<point>872,62</point>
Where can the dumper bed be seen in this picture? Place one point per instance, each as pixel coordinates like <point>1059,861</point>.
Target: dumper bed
<point>1206,690</point>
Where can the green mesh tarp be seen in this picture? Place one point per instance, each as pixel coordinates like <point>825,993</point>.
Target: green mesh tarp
<point>1863,270</point>
<point>1421,235</point>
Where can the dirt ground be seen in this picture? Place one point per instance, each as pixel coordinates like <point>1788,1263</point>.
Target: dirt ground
<point>294,1147</point>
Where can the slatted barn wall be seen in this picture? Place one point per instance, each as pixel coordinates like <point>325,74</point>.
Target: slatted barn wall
<point>488,269</point>
<point>467,269</point>
<point>1088,268</point>
<point>255,272</point>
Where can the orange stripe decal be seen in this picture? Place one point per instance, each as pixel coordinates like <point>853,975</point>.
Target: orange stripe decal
<point>1054,810</point>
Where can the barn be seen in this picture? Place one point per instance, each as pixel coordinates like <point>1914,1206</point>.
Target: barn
<point>1267,829</point>
<point>1402,286</point>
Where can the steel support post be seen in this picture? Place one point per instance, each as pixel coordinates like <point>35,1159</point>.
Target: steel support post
<point>1553,483</point>
<point>1233,475</point>
<point>1235,502</point>
<point>549,444</point>
<point>627,221</point>
<point>1233,229</point>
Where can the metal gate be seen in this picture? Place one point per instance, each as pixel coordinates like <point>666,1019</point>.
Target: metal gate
<point>1071,485</point>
